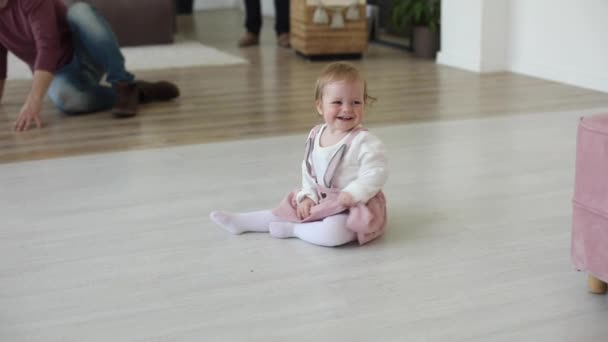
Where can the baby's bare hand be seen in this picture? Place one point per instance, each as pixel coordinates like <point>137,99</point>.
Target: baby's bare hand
<point>346,199</point>
<point>304,208</point>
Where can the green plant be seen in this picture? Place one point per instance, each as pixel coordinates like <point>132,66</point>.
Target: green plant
<point>416,13</point>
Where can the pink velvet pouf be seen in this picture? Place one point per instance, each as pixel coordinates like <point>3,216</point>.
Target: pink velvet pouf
<point>590,212</point>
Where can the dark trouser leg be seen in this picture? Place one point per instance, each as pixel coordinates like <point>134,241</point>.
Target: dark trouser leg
<point>253,16</point>
<point>281,8</point>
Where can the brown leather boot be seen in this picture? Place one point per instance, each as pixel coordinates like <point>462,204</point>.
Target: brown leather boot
<point>156,91</point>
<point>283,40</point>
<point>249,39</point>
<point>126,100</point>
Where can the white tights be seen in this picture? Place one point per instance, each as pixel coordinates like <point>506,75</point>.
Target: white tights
<point>330,232</point>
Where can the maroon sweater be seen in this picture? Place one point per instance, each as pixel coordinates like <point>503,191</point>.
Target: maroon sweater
<point>37,32</point>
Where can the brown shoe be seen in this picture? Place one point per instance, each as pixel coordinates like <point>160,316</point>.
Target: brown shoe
<point>283,40</point>
<point>249,39</point>
<point>156,91</point>
<point>126,100</point>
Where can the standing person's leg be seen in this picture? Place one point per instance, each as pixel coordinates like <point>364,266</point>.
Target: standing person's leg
<point>253,23</point>
<point>282,22</point>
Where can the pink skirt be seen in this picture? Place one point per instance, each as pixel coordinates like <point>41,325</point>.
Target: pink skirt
<point>367,220</point>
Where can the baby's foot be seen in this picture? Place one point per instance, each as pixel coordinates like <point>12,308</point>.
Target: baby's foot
<point>226,221</point>
<point>281,230</point>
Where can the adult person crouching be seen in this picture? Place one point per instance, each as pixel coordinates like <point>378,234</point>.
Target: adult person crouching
<point>69,51</point>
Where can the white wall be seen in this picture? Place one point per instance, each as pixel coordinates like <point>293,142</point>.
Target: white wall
<point>494,37</point>
<point>560,40</point>
<point>267,5</point>
<point>474,34</point>
<point>211,4</point>
<point>268,8</point>
<point>461,34</point>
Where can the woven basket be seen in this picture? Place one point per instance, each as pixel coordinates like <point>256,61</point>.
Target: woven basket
<point>313,39</point>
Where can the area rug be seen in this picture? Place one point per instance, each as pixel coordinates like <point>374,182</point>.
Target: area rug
<point>179,55</point>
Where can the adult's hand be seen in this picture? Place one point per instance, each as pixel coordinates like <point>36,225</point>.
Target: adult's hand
<point>29,114</point>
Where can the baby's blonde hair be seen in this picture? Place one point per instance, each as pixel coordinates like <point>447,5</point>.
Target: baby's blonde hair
<point>341,71</point>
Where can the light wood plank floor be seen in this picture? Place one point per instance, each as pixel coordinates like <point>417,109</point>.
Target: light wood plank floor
<point>118,246</point>
<point>273,95</point>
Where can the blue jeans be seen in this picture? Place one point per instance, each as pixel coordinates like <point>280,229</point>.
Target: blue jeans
<point>76,87</point>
